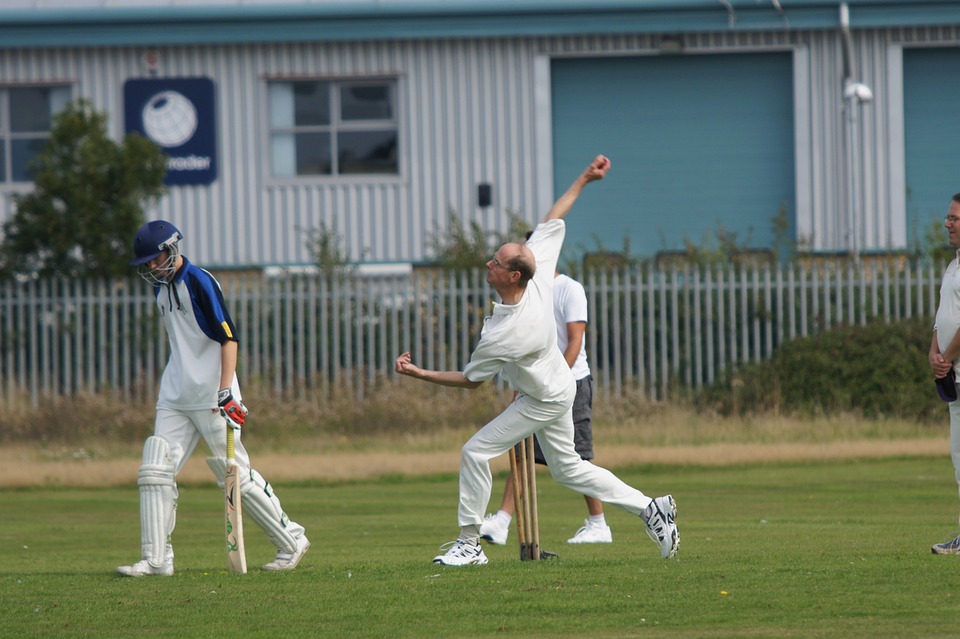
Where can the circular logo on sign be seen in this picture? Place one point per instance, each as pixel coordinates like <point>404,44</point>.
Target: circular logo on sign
<point>169,119</point>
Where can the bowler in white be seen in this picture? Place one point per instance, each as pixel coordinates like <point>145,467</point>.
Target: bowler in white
<point>519,343</point>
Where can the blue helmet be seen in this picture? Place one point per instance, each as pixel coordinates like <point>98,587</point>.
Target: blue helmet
<point>152,239</point>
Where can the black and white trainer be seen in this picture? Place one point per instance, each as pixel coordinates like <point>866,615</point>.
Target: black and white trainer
<point>951,547</point>
<point>461,553</point>
<point>661,517</point>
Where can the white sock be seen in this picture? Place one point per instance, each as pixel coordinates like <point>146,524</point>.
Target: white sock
<point>597,520</point>
<point>504,515</point>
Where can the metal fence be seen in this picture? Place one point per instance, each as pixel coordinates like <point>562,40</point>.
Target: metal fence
<point>650,329</point>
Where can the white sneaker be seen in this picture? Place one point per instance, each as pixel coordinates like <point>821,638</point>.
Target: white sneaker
<point>592,533</point>
<point>289,560</point>
<point>143,568</point>
<point>494,529</point>
<point>660,516</point>
<point>951,547</point>
<point>461,553</point>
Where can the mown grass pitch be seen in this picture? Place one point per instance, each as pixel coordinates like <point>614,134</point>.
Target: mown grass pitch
<point>801,550</point>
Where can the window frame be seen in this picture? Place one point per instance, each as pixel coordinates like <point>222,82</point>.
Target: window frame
<point>8,136</point>
<point>337,125</point>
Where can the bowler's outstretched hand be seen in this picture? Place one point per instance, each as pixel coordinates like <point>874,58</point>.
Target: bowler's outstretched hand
<point>597,169</point>
<point>404,365</point>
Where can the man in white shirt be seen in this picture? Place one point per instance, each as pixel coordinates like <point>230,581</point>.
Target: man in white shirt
<point>519,342</point>
<point>945,347</point>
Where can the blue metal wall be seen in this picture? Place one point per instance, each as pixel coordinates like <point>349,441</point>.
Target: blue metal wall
<point>931,101</point>
<point>700,144</point>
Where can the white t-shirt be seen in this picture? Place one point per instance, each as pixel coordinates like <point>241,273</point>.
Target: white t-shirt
<point>519,341</point>
<point>948,313</point>
<point>570,305</point>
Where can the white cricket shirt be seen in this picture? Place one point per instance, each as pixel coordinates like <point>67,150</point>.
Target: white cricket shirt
<point>948,312</point>
<point>197,323</point>
<point>519,341</point>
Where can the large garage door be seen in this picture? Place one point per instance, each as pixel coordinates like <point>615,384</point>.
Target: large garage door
<point>700,145</point>
<point>931,112</point>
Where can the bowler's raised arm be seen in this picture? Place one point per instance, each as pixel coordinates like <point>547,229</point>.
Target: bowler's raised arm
<point>596,171</point>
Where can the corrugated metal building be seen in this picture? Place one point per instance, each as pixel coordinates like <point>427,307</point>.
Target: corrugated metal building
<point>377,118</point>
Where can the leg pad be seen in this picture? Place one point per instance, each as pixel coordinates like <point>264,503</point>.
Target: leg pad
<point>158,500</point>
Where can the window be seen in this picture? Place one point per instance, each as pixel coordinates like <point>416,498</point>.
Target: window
<point>329,128</point>
<point>26,115</point>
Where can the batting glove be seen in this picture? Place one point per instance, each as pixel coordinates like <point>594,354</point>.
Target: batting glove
<point>232,409</point>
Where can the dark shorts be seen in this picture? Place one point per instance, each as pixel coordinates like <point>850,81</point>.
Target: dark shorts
<point>582,425</point>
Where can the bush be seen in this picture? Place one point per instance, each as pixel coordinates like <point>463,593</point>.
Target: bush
<point>877,370</point>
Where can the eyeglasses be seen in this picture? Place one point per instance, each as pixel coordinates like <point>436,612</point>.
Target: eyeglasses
<point>497,264</point>
<point>951,219</point>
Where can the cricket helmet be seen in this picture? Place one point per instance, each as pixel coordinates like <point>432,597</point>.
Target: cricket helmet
<point>152,239</point>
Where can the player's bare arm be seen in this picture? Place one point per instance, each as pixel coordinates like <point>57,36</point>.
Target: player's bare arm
<point>228,362</point>
<point>231,408</point>
<point>405,366</point>
<point>596,171</point>
<point>575,332</point>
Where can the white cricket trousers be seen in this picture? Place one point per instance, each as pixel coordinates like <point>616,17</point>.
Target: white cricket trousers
<point>955,440</point>
<point>553,424</point>
<point>184,429</point>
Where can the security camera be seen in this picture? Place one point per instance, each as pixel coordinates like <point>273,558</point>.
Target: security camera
<point>859,91</point>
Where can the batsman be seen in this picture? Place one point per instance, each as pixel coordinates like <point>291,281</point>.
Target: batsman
<point>199,395</point>
<point>519,343</point>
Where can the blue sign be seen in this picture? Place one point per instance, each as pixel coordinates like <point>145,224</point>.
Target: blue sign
<point>179,114</point>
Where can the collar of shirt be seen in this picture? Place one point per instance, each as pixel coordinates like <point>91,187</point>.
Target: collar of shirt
<point>500,308</point>
<point>178,276</point>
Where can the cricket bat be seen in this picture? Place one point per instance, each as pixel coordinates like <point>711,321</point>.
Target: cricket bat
<point>236,556</point>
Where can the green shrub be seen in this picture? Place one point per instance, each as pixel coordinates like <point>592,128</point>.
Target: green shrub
<point>877,370</point>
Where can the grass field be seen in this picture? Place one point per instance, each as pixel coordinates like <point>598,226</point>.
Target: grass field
<point>832,549</point>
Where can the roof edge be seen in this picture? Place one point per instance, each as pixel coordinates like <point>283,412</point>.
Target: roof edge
<point>342,20</point>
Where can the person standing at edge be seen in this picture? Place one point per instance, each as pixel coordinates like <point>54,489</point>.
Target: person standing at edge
<point>519,342</point>
<point>945,347</point>
<point>198,393</point>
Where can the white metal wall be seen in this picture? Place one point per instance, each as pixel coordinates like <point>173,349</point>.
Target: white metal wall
<point>467,115</point>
